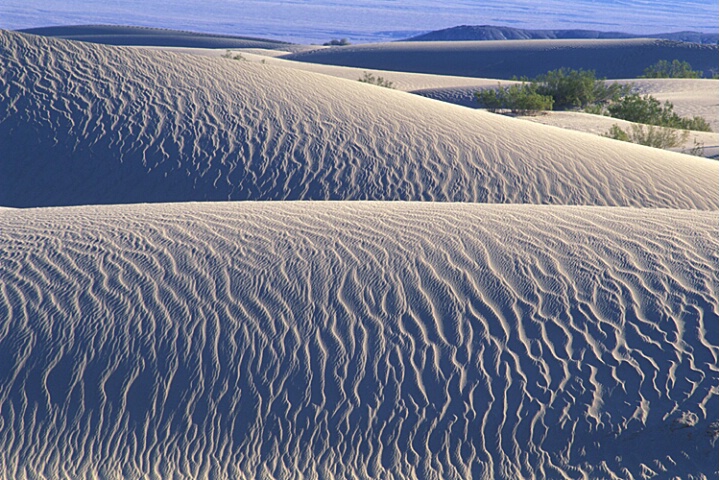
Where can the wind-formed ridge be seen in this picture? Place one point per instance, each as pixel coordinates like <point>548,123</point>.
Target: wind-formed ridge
<point>92,124</point>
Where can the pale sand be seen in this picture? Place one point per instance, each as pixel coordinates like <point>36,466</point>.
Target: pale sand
<point>339,339</point>
<point>92,124</point>
<point>505,59</point>
<point>358,339</point>
<point>600,125</point>
<point>404,81</point>
<point>690,97</point>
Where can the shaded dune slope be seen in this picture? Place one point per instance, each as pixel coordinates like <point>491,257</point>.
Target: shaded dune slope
<point>290,340</point>
<point>92,124</point>
<point>503,59</point>
<point>156,37</point>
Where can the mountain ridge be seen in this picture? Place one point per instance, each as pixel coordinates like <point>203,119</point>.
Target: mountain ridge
<point>493,32</point>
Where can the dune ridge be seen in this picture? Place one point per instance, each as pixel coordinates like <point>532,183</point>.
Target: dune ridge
<point>362,339</point>
<point>92,124</point>
<point>614,59</point>
<point>565,327</point>
<point>159,37</point>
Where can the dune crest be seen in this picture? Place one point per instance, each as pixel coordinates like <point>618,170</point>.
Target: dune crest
<point>92,124</point>
<point>156,37</point>
<point>355,339</point>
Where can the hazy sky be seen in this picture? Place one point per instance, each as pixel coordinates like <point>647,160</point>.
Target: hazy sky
<point>318,20</point>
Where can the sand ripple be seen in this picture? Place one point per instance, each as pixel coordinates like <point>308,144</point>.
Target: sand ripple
<point>92,124</point>
<point>319,340</point>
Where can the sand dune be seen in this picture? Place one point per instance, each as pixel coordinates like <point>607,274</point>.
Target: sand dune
<point>404,81</point>
<point>92,124</point>
<point>506,59</point>
<point>705,144</point>
<point>160,37</point>
<point>386,339</point>
<point>690,97</point>
<point>358,339</point>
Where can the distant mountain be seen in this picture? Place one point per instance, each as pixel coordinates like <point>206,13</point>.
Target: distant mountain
<point>489,32</point>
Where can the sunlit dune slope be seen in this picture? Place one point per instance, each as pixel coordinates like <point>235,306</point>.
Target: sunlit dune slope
<point>506,59</point>
<point>92,124</point>
<point>357,339</point>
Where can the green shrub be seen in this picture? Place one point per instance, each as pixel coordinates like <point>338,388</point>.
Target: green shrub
<point>617,134</point>
<point>520,99</point>
<point>337,42</point>
<point>698,124</point>
<point>649,135</point>
<point>647,109</point>
<point>595,109</point>
<point>371,79</point>
<point>675,69</point>
<point>578,88</point>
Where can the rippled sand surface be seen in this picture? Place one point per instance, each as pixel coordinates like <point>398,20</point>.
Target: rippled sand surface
<point>516,301</point>
<point>93,124</point>
<point>358,339</point>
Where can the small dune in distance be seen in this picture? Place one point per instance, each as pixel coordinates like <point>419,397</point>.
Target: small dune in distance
<point>225,257</point>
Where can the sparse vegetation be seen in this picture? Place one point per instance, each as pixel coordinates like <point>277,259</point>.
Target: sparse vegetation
<point>376,80</point>
<point>698,149</point>
<point>649,135</point>
<point>561,89</point>
<point>648,110</point>
<point>673,69</point>
<point>337,42</point>
<point>578,88</point>
<point>657,124</point>
<point>596,109</point>
<point>519,99</point>
<point>233,56</point>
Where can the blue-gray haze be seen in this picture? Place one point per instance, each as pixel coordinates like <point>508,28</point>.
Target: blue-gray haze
<point>374,20</point>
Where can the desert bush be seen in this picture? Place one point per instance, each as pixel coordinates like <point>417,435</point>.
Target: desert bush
<point>595,109</point>
<point>617,133</point>
<point>647,109</point>
<point>566,88</point>
<point>371,79</point>
<point>520,99</point>
<point>649,135</point>
<point>675,69</point>
<point>578,88</point>
<point>698,124</point>
<point>337,42</point>
<point>233,56</point>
